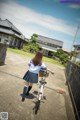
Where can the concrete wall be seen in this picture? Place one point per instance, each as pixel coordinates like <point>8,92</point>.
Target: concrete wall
<point>73,81</point>
<point>76,59</point>
<point>3,49</point>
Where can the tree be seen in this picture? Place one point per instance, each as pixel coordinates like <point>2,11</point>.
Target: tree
<point>59,52</point>
<point>33,38</point>
<point>78,62</point>
<point>73,54</point>
<point>63,57</point>
<point>32,46</point>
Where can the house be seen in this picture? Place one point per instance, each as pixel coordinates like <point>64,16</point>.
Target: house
<point>10,34</point>
<point>77,50</point>
<point>49,45</point>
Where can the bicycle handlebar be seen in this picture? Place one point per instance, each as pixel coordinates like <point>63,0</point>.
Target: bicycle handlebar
<point>50,71</point>
<point>45,74</point>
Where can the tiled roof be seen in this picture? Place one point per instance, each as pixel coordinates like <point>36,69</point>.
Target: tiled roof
<point>7,23</point>
<point>4,23</point>
<point>7,27</point>
<point>6,31</point>
<point>78,45</point>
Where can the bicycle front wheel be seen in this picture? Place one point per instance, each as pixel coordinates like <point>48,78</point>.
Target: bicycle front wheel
<point>37,106</point>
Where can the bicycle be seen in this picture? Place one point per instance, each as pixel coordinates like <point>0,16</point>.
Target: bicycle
<point>42,82</point>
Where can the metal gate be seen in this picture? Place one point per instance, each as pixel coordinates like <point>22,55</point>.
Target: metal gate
<point>73,80</point>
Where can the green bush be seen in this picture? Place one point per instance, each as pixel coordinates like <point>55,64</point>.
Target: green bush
<point>63,57</point>
<point>78,63</point>
<point>32,46</point>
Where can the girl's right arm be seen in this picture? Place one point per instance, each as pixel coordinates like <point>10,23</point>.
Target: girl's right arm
<point>30,63</point>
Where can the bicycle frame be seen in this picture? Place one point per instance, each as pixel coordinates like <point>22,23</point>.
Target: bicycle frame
<point>40,91</point>
<point>40,95</point>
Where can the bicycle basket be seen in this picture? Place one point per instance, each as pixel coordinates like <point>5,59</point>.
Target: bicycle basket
<point>43,72</point>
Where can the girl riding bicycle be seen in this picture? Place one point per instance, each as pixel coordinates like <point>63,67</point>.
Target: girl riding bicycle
<point>31,76</point>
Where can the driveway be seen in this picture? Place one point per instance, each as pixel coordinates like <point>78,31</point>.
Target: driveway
<point>56,106</point>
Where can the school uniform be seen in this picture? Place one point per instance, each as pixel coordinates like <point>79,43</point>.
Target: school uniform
<point>32,74</point>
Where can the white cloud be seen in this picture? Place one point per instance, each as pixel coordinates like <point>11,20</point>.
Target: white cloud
<point>74,6</point>
<point>22,16</point>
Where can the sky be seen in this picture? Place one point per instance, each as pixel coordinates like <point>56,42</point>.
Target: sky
<point>50,18</point>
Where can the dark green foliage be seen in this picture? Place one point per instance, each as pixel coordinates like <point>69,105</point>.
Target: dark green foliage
<point>63,57</point>
<point>73,54</point>
<point>32,46</point>
<point>78,63</point>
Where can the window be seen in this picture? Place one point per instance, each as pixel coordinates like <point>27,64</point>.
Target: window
<point>60,47</point>
<point>6,40</point>
<point>6,36</point>
<point>42,42</point>
<point>78,48</point>
<point>52,45</point>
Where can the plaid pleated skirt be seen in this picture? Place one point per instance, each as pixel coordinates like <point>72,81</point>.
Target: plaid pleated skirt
<point>31,77</point>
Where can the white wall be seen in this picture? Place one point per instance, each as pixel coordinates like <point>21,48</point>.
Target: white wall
<point>75,59</point>
<point>78,57</point>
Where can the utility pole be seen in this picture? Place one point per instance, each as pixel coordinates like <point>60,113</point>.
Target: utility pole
<point>74,39</point>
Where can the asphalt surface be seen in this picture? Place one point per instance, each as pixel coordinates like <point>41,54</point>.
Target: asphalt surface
<point>56,105</point>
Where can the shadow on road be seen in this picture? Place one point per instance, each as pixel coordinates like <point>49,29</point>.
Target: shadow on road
<point>10,74</point>
<point>22,78</point>
<point>30,96</point>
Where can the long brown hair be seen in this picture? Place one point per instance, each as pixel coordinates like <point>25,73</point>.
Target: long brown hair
<point>37,60</point>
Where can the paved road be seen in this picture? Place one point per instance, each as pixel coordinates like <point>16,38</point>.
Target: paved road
<point>56,106</point>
